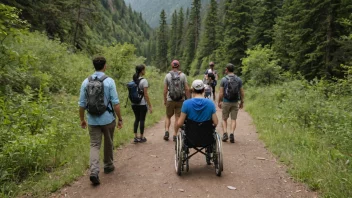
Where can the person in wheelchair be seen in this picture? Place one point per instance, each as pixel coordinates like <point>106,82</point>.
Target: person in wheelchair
<point>199,120</point>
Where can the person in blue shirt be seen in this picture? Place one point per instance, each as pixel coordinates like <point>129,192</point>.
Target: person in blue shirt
<point>99,125</point>
<point>198,109</point>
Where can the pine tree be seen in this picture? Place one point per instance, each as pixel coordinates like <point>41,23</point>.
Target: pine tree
<point>180,27</point>
<point>236,34</point>
<point>264,14</point>
<point>161,59</point>
<point>173,37</point>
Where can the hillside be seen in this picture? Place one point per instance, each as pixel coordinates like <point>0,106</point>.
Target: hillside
<point>85,24</point>
<point>151,9</point>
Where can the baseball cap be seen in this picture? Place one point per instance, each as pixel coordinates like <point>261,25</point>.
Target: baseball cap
<point>198,84</point>
<point>175,63</point>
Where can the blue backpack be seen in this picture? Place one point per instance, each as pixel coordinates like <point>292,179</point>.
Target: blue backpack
<point>135,94</point>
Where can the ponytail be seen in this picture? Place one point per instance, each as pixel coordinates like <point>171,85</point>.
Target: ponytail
<point>139,69</point>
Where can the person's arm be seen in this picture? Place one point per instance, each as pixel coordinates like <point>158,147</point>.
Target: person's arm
<point>81,117</point>
<point>181,120</point>
<point>146,97</point>
<point>116,103</point>
<point>165,93</point>
<point>188,94</point>
<point>214,117</point>
<point>242,98</point>
<point>82,104</point>
<point>221,96</point>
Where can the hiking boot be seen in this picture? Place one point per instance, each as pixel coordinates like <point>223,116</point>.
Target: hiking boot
<point>142,140</point>
<point>109,169</point>
<point>94,179</point>
<point>166,136</point>
<point>232,138</point>
<point>174,138</point>
<point>136,140</point>
<point>225,137</point>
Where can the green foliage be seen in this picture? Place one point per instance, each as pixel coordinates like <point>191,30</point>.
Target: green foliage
<point>308,125</point>
<point>161,58</point>
<point>260,67</point>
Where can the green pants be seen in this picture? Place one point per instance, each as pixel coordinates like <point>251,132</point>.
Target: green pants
<point>96,133</point>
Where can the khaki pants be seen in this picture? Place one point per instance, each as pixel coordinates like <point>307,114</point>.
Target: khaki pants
<point>229,108</point>
<point>96,133</point>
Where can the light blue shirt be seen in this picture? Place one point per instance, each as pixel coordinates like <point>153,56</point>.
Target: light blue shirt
<point>110,95</point>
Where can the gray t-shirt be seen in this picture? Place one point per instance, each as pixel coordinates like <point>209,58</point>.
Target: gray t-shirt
<point>142,84</point>
<point>167,81</point>
<point>224,81</point>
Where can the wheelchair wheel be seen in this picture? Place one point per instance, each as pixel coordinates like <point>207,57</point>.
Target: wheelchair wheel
<point>178,154</point>
<point>218,159</point>
<point>187,163</point>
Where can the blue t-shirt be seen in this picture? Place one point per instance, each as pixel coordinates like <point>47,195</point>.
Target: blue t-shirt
<point>198,109</point>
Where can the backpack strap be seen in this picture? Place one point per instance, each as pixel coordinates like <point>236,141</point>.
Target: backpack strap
<point>103,78</point>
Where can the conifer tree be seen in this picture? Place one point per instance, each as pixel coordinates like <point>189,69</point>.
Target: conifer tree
<point>173,37</point>
<point>161,59</point>
<point>180,27</point>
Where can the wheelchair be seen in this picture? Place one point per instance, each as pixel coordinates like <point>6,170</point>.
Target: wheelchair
<point>202,137</point>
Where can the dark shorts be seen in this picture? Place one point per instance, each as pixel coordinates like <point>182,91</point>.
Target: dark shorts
<point>173,107</point>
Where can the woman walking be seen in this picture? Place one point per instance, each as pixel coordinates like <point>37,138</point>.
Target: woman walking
<point>140,110</point>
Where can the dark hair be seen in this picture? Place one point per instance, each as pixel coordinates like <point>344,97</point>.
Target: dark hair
<point>198,91</point>
<point>230,67</point>
<point>139,69</point>
<point>99,63</point>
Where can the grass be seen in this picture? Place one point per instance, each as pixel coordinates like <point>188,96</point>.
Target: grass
<point>310,156</point>
<point>76,154</point>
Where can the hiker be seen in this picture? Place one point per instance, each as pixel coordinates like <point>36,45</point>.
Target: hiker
<point>198,109</point>
<point>207,88</point>
<point>212,75</point>
<point>231,92</point>
<point>175,89</point>
<point>99,97</point>
<point>140,109</point>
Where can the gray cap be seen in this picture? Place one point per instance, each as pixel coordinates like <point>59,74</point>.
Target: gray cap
<point>198,85</point>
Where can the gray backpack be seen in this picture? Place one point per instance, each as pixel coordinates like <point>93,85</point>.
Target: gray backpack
<point>95,95</point>
<point>176,89</point>
<point>231,88</point>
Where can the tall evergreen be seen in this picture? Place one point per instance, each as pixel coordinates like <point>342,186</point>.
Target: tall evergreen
<point>173,37</point>
<point>209,39</point>
<point>307,34</point>
<point>161,58</point>
<point>264,13</point>
<point>236,34</point>
<point>180,28</point>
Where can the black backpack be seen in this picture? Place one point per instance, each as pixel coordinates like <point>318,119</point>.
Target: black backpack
<point>135,94</point>
<point>231,88</point>
<point>176,89</point>
<point>95,95</point>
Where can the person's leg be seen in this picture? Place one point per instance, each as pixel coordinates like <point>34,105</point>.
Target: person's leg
<point>108,131</point>
<point>225,116</point>
<point>136,111</point>
<point>213,89</point>
<point>234,112</point>
<point>95,133</point>
<point>169,114</point>
<point>143,113</point>
<point>178,106</point>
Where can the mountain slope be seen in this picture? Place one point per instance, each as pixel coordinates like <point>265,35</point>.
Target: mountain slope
<point>151,9</point>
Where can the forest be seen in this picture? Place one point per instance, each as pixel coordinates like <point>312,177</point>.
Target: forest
<point>294,57</point>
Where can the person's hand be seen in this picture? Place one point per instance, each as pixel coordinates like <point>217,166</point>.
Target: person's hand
<point>165,103</point>
<point>220,105</point>
<point>83,124</point>
<point>119,124</point>
<point>150,109</point>
<point>241,105</point>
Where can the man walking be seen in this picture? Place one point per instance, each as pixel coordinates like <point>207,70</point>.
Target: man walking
<point>231,92</point>
<point>175,89</point>
<point>99,97</point>
<point>213,75</point>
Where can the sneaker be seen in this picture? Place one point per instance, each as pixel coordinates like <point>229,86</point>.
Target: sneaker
<point>166,136</point>
<point>232,138</point>
<point>225,137</point>
<point>136,140</point>
<point>94,179</point>
<point>109,169</point>
<point>174,138</point>
<point>142,140</point>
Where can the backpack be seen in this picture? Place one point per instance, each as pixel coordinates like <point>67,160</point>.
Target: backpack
<point>231,89</point>
<point>176,90</point>
<point>95,95</point>
<point>135,94</point>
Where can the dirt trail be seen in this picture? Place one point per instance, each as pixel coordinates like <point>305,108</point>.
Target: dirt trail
<point>147,170</point>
